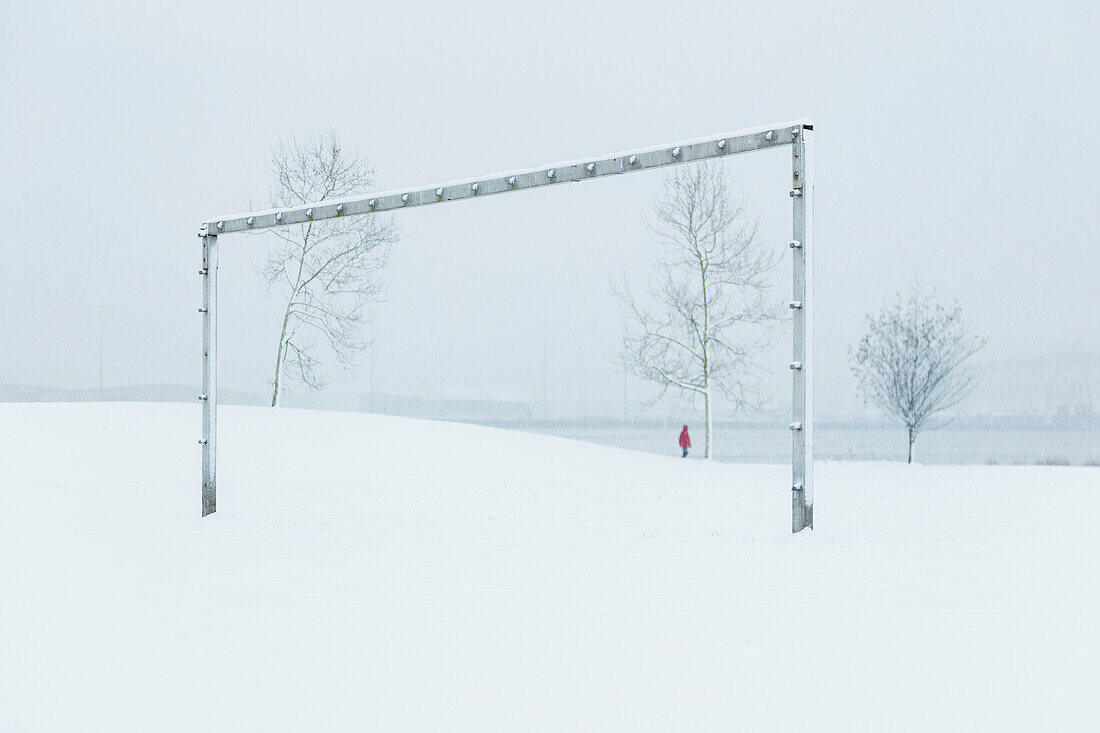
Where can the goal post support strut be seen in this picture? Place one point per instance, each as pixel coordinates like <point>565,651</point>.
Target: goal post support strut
<point>802,387</point>
<point>209,396</point>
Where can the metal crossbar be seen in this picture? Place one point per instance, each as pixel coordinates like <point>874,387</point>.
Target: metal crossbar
<point>797,134</point>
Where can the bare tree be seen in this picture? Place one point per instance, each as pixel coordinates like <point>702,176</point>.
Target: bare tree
<point>912,363</point>
<point>703,327</point>
<point>326,272</point>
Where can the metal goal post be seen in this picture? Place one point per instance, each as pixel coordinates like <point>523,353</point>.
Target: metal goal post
<point>797,134</point>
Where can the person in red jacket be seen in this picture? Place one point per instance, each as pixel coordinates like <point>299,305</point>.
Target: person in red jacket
<point>685,441</point>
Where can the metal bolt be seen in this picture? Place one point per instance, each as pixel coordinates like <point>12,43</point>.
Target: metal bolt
<point>202,441</point>
<point>279,217</point>
<point>590,167</point>
<point>202,272</point>
<point>202,310</point>
<point>512,181</point>
<point>797,487</point>
<point>676,152</point>
<point>202,397</point>
<point>794,244</point>
<point>796,192</point>
<point>794,132</point>
<point>550,173</point>
<point>371,203</point>
<point>249,221</point>
<point>473,188</point>
<point>721,144</point>
<point>339,208</point>
<point>795,305</point>
<point>769,135</point>
<point>796,426</point>
<point>404,198</point>
<point>796,365</point>
<point>309,213</point>
<point>439,192</point>
<point>633,159</point>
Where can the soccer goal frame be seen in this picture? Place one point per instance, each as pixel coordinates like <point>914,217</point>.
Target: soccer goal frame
<point>798,135</point>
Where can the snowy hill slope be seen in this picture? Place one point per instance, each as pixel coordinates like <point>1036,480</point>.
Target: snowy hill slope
<point>378,573</point>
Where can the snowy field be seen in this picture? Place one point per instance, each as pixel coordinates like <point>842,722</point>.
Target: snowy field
<point>380,573</point>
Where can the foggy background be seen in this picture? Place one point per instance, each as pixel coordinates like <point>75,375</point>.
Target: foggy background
<point>955,141</point>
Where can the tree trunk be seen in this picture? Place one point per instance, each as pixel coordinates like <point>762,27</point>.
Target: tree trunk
<point>279,356</point>
<point>912,439</point>
<point>710,425</point>
<point>278,373</point>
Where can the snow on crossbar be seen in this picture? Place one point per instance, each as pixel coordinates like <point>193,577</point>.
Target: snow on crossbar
<point>572,171</point>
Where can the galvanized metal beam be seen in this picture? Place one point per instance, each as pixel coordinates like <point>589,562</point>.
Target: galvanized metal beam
<point>630,161</point>
<point>209,396</point>
<point>802,364</point>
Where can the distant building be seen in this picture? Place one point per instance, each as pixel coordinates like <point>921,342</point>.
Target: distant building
<point>469,404</point>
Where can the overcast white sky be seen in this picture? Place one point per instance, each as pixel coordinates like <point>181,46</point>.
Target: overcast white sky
<point>956,141</point>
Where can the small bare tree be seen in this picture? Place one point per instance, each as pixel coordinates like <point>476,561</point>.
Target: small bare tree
<point>326,272</point>
<point>912,363</point>
<point>703,328</point>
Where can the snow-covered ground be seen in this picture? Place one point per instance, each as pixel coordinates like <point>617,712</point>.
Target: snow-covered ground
<point>378,573</point>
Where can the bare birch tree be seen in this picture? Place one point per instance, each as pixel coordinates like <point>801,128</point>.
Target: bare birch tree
<point>325,272</point>
<point>912,362</point>
<point>703,328</point>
